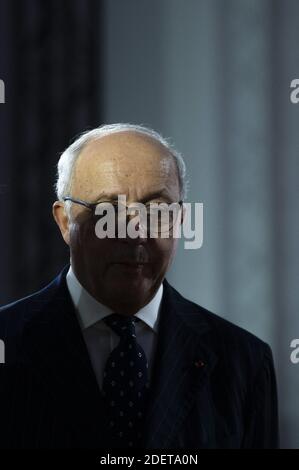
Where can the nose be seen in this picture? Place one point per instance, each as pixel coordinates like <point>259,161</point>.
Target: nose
<point>136,232</point>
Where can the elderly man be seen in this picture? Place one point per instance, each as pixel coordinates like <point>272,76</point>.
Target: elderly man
<point>109,354</point>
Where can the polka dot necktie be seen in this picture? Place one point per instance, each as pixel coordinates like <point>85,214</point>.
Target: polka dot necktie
<point>125,384</point>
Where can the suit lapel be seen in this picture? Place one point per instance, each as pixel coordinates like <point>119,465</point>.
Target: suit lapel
<point>183,363</point>
<point>56,349</point>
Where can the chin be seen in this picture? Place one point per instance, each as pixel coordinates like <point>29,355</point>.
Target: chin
<point>130,288</point>
<point>131,284</point>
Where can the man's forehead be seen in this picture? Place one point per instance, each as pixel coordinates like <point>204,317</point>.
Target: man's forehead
<point>125,143</point>
<point>121,161</point>
<point>124,150</point>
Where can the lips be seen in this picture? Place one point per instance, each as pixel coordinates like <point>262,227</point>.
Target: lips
<point>131,264</point>
<point>130,267</point>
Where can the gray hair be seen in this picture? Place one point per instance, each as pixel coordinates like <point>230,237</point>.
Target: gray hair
<point>68,158</point>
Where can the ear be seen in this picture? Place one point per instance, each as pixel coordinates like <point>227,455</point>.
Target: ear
<point>62,220</point>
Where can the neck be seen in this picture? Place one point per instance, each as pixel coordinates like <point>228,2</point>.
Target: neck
<point>123,304</point>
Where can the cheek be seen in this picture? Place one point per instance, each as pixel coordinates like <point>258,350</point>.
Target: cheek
<point>164,250</point>
<point>75,236</point>
<point>82,238</point>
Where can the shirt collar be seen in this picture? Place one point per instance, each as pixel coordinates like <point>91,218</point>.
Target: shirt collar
<point>90,310</point>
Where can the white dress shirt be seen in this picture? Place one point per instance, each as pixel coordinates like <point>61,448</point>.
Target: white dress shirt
<point>100,339</point>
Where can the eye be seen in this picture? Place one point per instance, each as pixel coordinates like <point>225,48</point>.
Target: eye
<point>104,206</point>
<point>157,201</point>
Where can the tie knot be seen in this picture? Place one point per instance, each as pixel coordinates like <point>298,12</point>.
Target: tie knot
<point>122,325</point>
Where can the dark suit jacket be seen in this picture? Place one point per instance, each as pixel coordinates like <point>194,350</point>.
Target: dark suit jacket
<point>213,383</point>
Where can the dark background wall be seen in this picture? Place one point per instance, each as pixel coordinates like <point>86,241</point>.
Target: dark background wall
<point>212,74</point>
<point>49,61</point>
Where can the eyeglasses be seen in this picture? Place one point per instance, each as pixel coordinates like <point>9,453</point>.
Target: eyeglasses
<point>160,216</point>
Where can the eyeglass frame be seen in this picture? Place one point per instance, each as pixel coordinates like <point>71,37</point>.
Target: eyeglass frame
<point>93,205</point>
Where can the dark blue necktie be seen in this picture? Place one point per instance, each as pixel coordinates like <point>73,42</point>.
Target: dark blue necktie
<point>125,384</point>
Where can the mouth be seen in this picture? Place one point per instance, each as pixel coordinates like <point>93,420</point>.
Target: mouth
<point>132,261</point>
<point>131,265</point>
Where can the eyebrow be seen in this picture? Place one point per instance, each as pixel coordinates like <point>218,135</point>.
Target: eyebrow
<point>148,197</point>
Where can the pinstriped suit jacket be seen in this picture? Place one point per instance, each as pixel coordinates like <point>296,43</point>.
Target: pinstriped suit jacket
<point>213,383</point>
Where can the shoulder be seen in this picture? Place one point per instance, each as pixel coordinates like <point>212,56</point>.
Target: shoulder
<point>15,315</point>
<point>231,342</point>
